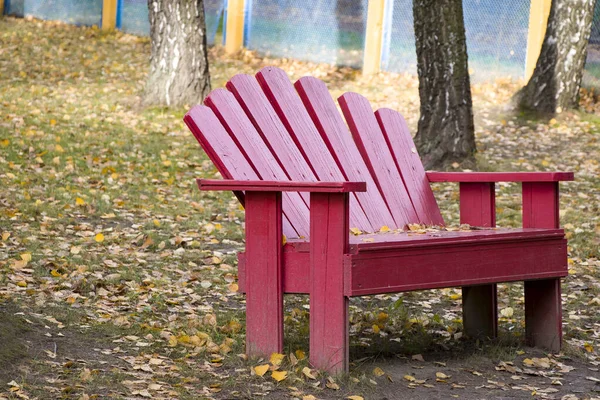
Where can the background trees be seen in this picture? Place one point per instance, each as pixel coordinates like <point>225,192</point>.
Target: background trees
<point>178,62</point>
<point>446,131</point>
<point>555,83</point>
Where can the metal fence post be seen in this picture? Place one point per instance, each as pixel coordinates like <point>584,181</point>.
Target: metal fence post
<point>538,21</point>
<point>109,14</point>
<point>374,37</point>
<point>234,26</point>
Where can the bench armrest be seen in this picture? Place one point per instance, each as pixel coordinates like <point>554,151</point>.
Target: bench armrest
<point>281,186</point>
<point>482,177</point>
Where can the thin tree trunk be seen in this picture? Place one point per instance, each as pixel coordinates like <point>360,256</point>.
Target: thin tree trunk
<point>446,131</point>
<point>554,85</point>
<point>178,63</point>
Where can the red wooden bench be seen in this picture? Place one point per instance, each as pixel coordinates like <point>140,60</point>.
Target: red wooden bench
<point>302,169</point>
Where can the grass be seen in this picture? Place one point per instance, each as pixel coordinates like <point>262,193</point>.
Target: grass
<point>104,231</point>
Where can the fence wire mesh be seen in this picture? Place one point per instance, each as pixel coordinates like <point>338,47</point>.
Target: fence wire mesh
<point>315,30</point>
<point>134,17</point>
<point>77,12</point>
<point>14,7</point>
<point>496,34</point>
<point>591,74</point>
<point>333,31</point>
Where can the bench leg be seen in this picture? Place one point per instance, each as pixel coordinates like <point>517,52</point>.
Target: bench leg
<point>264,289</point>
<point>329,348</point>
<point>480,311</point>
<point>543,314</point>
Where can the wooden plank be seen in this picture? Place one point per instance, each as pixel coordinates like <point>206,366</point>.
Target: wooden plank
<point>297,253</point>
<point>284,99</point>
<point>478,204</point>
<point>109,14</point>
<point>374,37</point>
<point>229,160</point>
<point>475,264</point>
<point>500,176</point>
<point>281,186</point>
<point>240,129</point>
<point>543,303</point>
<point>409,165</point>
<point>371,144</point>
<point>334,132</point>
<point>329,349</point>
<point>479,303</point>
<point>234,26</point>
<point>264,289</point>
<point>543,314</point>
<point>540,205</point>
<point>391,241</point>
<point>539,12</point>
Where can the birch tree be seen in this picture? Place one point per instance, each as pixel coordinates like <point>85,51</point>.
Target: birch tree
<point>446,133</point>
<point>554,85</point>
<point>178,61</point>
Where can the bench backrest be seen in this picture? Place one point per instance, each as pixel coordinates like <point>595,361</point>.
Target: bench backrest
<point>266,128</point>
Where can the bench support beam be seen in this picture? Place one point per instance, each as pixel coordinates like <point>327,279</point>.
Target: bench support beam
<point>329,226</point>
<point>480,309</point>
<point>264,288</point>
<point>543,303</point>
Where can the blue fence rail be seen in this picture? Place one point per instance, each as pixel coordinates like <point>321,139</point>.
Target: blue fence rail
<point>333,31</point>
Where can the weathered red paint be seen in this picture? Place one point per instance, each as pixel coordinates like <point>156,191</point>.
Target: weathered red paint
<point>283,147</point>
<point>264,290</point>
<point>479,303</point>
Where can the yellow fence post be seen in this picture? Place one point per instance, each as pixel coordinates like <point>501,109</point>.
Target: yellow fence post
<point>234,29</point>
<point>1,8</point>
<point>538,21</point>
<point>374,37</point>
<point>109,14</point>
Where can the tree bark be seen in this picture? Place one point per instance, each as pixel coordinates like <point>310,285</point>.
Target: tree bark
<point>554,85</point>
<point>446,133</point>
<point>178,62</point>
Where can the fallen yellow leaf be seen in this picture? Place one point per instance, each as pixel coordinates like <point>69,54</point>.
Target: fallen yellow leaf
<point>409,378</point>
<point>279,375</point>
<point>26,257</point>
<point>79,201</point>
<point>300,354</point>
<point>260,370</point>
<point>378,371</point>
<point>308,373</point>
<point>355,231</point>
<point>355,397</point>
<point>276,358</point>
<point>384,228</point>
<point>99,237</point>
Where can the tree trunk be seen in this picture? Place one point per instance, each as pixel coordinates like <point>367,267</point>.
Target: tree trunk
<point>178,63</point>
<point>554,85</point>
<point>446,131</point>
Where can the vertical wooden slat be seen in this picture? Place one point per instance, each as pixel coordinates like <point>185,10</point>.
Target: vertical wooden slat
<point>538,21</point>
<point>371,143</point>
<point>374,37</point>
<point>240,128</point>
<point>480,307</point>
<point>540,205</point>
<point>1,7</point>
<point>410,167</point>
<point>478,204</point>
<point>234,26</point>
<point>109,14</point>
<point>335,134</point>
<point>294,116</point>
<point>329,348</point>
<point>232,164</point>
<point>264,289</point>
<point>543,303</point>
